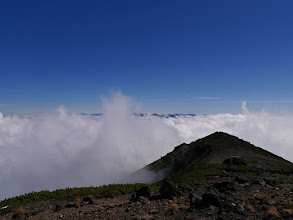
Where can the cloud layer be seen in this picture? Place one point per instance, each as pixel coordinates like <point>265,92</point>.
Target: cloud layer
<point>65,150</point>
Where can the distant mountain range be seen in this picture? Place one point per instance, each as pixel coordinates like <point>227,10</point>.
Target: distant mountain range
<point>176,115</point>
<point>149,115</point>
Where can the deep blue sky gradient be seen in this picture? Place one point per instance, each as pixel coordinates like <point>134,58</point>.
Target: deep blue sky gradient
<point>167,55</point>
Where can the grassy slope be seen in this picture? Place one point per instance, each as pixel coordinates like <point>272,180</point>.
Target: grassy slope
<point>70,193</point>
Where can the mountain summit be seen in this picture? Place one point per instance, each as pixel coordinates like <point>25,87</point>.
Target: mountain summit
<point>215,149</point>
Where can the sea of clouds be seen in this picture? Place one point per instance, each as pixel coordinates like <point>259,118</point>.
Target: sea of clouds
<point>67,150</point>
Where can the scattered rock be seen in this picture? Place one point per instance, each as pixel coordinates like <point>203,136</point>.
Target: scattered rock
<point>142,195</point>
<point>234,161</point>
<point>258,182</point>
<point>210,198</point>
<point>58,208</point>
<point>168,190</point>
<point>270,182</point>
<point>194,200</point>
<point>240,180</point>
<point>142,199</point>
<point>185,187</point>
<point>89,200</point>
<point>71,205</point>
<point>225,186</point>
<point>144,217</point>
<point>144,191</point>
<point>240,208</point>
<point>232,169</point>
<point>257,170</point>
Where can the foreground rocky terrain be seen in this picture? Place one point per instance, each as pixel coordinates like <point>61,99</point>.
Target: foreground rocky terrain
<point>232,194</point>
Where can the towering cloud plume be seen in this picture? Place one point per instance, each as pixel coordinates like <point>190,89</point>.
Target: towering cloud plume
<point>65,150</point>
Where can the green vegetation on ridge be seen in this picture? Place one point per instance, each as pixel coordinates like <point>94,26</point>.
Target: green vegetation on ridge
<point>70,193</point>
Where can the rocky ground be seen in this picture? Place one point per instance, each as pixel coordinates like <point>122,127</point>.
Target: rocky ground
<point>231,195</point>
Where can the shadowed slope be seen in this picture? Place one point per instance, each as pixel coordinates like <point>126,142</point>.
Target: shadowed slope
<point>214,149</point>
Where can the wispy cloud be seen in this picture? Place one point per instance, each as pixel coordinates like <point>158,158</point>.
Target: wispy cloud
<point>221,100</point>
<point>205,98</point>
<point>244,108</point>
<point>270,101</point>
<point>210,98</point>
<point>157,100</point>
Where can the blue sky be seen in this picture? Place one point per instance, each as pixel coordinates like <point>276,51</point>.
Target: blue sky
<point>169,56</point>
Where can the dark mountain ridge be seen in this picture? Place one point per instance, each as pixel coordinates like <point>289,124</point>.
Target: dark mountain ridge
<point>214,149</point>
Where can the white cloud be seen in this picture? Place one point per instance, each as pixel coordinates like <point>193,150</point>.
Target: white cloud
<point>209,98</point>
<point>244,108</point>
<point>65,150</point>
